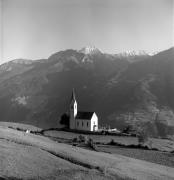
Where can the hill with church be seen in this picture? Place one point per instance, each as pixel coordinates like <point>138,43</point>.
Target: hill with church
<point>133,90</point>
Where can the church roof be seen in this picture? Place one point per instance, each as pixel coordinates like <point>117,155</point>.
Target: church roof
<point>84,115</point>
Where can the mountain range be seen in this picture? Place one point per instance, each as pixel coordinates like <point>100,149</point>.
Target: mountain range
<point>127,89</point>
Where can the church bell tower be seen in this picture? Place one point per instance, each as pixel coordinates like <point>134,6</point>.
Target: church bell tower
<point>73,111</point>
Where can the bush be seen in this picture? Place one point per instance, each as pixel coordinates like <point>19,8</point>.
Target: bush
<point>112,142</point>
<point>91,144</point>
<point>142,137</point>
<point>86,139</point>
<point>81,138</point>
<point>20,129</point>
<point>75,140</point>
<point>11,127</point>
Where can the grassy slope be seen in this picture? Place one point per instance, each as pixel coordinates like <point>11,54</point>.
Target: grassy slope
<point>20,125</point>
<point>157,157</point>
<point>109,164</point>
<point>164,158</point>
<point>23,162</point>
<point>27,161</point>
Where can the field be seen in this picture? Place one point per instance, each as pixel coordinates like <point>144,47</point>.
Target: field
<point>29,156</point>
<point>158,157</point>
<point>159,144</point>
<point>97,138</point>
<point>31,161</point>
<point>161,155</point>
<point>20,126</point>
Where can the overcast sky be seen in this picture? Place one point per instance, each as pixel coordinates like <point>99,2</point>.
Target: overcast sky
<point>35,29</point>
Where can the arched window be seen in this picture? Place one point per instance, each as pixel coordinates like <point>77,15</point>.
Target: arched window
<point>82,123</point>
<point>87,124</point>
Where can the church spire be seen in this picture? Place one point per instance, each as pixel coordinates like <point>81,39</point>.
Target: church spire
<point>73,97</point>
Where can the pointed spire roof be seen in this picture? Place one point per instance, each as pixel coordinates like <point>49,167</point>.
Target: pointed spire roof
<point>73,97</point>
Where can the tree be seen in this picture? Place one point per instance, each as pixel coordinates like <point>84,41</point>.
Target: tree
<point>64,120</point>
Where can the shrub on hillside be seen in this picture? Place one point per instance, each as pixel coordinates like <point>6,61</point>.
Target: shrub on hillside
<point>91,144</point>
<point>81,138</point>
<point>74,140</point>
<point>20,129</point>
<point>11,127</point>
<point>112,142</point>
<point>85,140</point>
<point>142,137</point>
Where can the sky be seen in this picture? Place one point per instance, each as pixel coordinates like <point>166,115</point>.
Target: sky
<point>35,29</point>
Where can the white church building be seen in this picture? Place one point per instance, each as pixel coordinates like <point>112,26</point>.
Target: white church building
<point>81,120</point>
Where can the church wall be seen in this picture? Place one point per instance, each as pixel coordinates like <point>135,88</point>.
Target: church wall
<point>83,125</point>
<point>94,122</point>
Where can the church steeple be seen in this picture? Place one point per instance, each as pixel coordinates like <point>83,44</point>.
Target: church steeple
<point>73,97</point>
<point>73,110</point>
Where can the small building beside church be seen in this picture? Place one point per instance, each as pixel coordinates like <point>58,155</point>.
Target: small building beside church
<point>81,120</point>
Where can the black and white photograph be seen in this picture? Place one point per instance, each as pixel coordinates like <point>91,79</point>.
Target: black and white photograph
<point>86,89</point>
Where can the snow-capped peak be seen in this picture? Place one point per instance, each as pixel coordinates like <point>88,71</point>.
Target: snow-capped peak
<point>90,50</point>
<point>133,53</point>
<point>22,61</point>
<point>136,53</point>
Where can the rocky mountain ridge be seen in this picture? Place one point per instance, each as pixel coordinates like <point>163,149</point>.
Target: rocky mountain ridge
<point>122,91</point>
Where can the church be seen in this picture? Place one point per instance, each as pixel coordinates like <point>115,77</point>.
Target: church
<point>81,120</point>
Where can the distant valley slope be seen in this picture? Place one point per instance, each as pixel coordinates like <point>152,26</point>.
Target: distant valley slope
<point>123,89</point>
